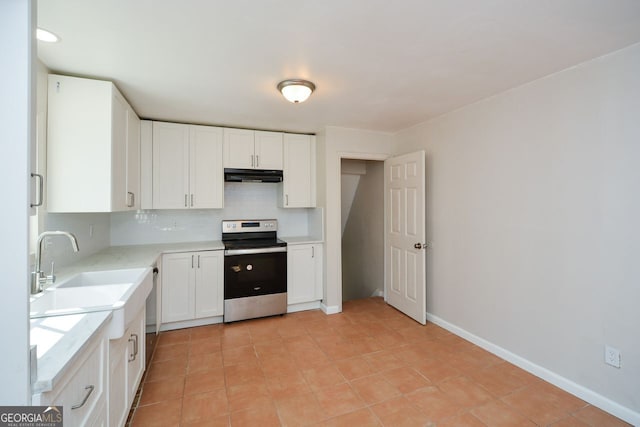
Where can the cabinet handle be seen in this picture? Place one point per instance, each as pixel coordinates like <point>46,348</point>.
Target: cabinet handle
<point>134,339</point>
<point>86,397</point>
<point>313,251</point>
<point>252,160</point>
<point>257,161</point>
<point>131,199</point>
<point>286,203</point>
<point>40,190</point>
<point>135,349</point>
<point>191,199</point>
<point>185,200</point>
<point>198,261</point>
<point>192,261</point>
<point>132,356</point>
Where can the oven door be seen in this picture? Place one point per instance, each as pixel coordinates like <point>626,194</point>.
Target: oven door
<point>249,274</point>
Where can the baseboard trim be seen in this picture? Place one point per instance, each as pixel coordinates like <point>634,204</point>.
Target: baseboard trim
<point>171,326</point>
<point>567,385</point>
<point>329,309</point>
<point>303,306</point>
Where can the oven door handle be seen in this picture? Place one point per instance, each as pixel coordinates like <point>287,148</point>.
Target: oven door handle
<point>230,252</point>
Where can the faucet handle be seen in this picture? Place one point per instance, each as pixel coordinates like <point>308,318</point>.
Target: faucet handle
<point>51,278</point>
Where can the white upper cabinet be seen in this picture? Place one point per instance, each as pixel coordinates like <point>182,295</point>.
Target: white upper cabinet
<point>170,165</point>
<point>239,148</point>
<point>88,143</point>
<point>299,172</point>
<point>187,167</point>
<point>268,150</point>
<point>206,175</point>
<point>248,149</point>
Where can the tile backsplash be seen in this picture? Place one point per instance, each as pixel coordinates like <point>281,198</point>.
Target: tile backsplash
<point>242,200</point>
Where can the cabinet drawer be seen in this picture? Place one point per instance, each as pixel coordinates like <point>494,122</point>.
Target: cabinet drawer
<point>81,392</point>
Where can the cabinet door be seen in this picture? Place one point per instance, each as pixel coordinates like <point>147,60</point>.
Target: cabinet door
<point>298,172</point>
<point>301,265</point>
<point>79,157</point>
<point>132,196</point>
<point>209,284</point>
<point>119,133</point>
<point>84,385</point>
<point>206,171</point>
<point>136,359</point>
<point>268,150</point>
<point>239,149</point>
<point>118,365</point>
<point>170,166</point>
<point>178,287</point>
<point>316,254</point>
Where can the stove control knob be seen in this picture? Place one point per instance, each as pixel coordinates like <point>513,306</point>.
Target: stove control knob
<point>249,267</point>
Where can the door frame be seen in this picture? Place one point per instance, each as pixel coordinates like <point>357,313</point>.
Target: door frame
<point>350,156</point>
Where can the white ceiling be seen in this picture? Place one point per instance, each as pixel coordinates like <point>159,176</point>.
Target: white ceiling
<point>377,64</point>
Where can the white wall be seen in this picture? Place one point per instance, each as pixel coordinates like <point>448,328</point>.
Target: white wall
<point>350,173</point>
<point>241,200</point>
<point>17,107</point>
<point>334,144</point>
<point>533,208</point>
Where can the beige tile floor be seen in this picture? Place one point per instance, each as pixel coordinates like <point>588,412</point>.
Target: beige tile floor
<point>367,366</point>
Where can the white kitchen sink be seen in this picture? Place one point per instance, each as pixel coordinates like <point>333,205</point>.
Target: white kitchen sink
<point>101,278</point>
<point>123,292</point>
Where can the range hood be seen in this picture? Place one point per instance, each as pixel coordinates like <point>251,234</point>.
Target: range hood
<point>252,175</point>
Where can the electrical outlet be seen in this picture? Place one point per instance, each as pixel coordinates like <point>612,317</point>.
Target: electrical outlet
<point>612,356</point>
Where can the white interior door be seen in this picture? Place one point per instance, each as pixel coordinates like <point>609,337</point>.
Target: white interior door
<point>405,280</point>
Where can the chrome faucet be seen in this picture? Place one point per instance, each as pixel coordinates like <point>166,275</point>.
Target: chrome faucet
<point>38,277</point>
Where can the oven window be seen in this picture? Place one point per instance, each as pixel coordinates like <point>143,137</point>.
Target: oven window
<point>256,274</point>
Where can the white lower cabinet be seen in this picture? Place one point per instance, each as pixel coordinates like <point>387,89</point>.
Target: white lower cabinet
<point>126,366</point>
<point>82,392</point>
<point>192,285</point>
<point>304,273</point>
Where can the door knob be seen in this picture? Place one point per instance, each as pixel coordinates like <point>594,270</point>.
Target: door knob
<point>418,246</point>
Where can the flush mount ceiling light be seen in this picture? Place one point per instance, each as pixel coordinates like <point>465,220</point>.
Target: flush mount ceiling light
<point>296,90</point>
<point>46,36</point>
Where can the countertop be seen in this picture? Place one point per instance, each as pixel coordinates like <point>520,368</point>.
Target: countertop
<point>60,340</point>
<point>300,240</point>
<point>119,257</point>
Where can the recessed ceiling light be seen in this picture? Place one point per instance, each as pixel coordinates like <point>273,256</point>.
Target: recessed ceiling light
<point>46,36</point>
<point>296,90</point>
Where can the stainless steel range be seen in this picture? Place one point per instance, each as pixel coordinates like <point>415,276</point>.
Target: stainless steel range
<point>255,263</point>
